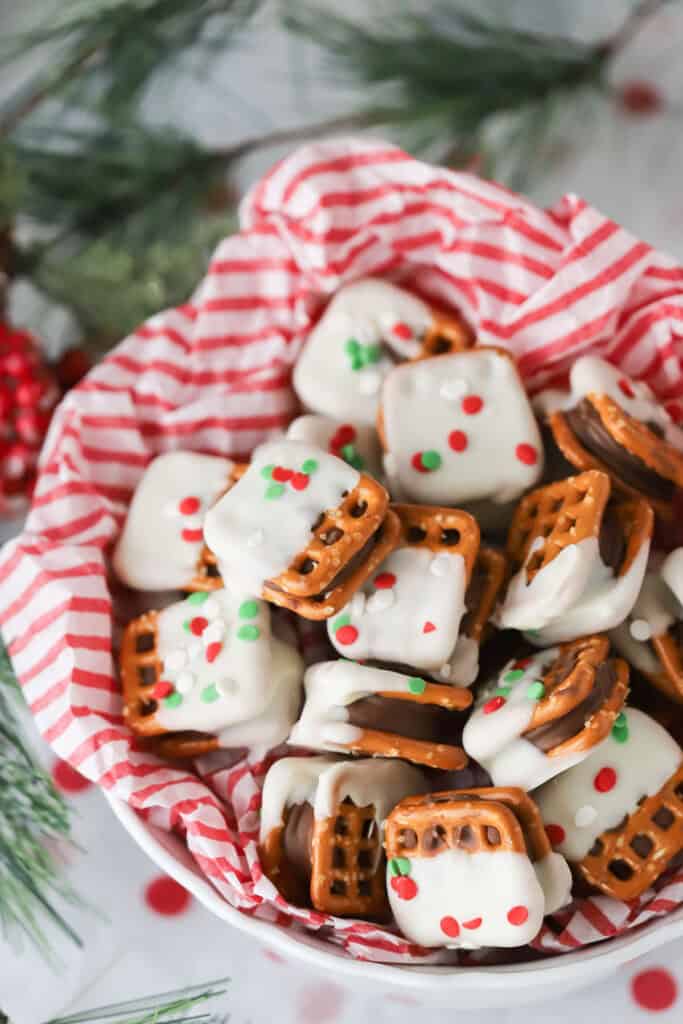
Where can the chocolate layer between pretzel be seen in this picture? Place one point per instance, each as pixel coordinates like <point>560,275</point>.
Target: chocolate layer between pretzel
<point>551,735</point>
<point>426,722</point>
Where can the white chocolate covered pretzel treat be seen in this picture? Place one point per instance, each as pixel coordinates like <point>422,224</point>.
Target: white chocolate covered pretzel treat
<point>355,443</point>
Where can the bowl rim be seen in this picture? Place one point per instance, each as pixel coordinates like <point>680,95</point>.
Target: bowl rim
<point>605,956</point>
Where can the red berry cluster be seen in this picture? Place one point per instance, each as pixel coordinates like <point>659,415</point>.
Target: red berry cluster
<point>28,393</point>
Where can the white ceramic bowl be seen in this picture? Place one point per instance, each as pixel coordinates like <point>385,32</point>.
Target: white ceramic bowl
<point>467,988</point>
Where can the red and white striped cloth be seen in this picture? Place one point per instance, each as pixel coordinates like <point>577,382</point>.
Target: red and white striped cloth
<point>213,376</point>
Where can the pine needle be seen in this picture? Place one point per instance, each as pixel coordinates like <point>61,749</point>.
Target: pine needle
<point>155,1008</point>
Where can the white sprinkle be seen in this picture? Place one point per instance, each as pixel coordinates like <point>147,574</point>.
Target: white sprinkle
<point>585,816</point>
<point>358,603</point>
<point>453,388</point>
<point>440,564</point>
<point>255,538</point>
<point>194,649</point>
<point>369,382</point>
<point>640,630</point>
<point>380,601</point>
<point>211,608</point>
<point>214,633</point>
<point>184,682</point>
<point>174,661</point>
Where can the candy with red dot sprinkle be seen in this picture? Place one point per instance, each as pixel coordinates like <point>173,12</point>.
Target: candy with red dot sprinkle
<point>556,834</point>
<point>527,454</point>
<point>300,481</point>
<point>518,915</point>
<point>495,704</point>
<point>198,624</point>
<point>457,440</point>
<point>346,635</point>
<point>472,404</point>
<point>474,923</point>
<point>213,650</point>
<point>162,689</point>
<point>428,627</point>
<point>385,580</point>
<point>192,536</point>
<point>404,887</point>
<point>402,330</point>
<point>626,387</point>
<point>281,474</point>
<point>605,780</point>
<point>450,927</point>
<point>189,506</point>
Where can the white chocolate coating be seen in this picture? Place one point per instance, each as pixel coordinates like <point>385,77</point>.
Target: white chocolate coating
<point>672,574</point>
<point>160,545</point>
<point>415,621</point>
<point>368,312</point>
<point>655,610</point>
<point>642,763</point>
<point>590,374</point>
<point>493,735</point>
<point>254,537</point>
<point>322,431</point>
<point>425,405</point>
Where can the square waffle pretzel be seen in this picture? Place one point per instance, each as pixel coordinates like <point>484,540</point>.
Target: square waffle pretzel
<point>626,860</point>
<point>140,670</point>
<point>560,514</point>
<point>348,865</point>
<point>337,594</point>
<point>447,333</point>
<point>634,437</point>
<point>434,755</point>
<point>440,529</point>
<point>670,679</point>
<point>207,575</point>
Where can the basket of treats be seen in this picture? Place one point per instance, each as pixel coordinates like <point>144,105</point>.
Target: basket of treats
<point>360,576</point>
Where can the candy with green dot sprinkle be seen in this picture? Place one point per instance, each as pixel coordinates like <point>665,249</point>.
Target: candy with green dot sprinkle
<point>248,609</point>
<point>210,694</point>
<point>173,700</point>
<point>274,491</point>
<point>309,466</point>
<point>199,597</point>
<point>536,690</point>
<point>513,675</point>
<point>431,459</point>
<point>416,685</point>
<point>249,633</point>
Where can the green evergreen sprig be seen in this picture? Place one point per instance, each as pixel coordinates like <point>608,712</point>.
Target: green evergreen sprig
<point>155,1008</point>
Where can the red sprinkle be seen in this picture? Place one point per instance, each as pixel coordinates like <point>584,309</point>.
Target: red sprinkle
<point>346,434</point>
<point>605,780</point>
<point>493,705</point>
<point>626,388</point>
<point>346,635</point>
<point>162,689</point>
<point>198,625</point>
<point>385,581</point>
<point>213,650</point>
<point>192,536</point>
<point>450,927</point>
<point>518,915</point>
<point>457,439</point>
<point>556,834</point>
<point>300,481</point>
<point>472,404</point>
<point>404,887</point>
<point>188,506</point>
<point>416,462</point>
<point>474,923</point>
<point>527,454</point>
<point>402,330</point>
<point>282,475</point>
<point>523,663</point>
<point>428,627</point>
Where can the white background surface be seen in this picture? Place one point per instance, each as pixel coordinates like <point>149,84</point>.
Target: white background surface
<point>628,166</point>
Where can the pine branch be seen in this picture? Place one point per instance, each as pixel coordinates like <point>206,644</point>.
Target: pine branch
<point>32,816</point>
<point>155,1008</point>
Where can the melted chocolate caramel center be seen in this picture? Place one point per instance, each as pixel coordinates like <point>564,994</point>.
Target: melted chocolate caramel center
<point>553,733</point>
<point>427,722</point>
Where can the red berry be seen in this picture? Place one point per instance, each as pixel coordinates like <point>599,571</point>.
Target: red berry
<point>189,506</point>
<point>493,705</point>
<point>198,624</point>
<point>472,404</point>
<point>626,387</point>
<point>527,454</point>
<point>450,927</point>
<point>346,635</point>
<point>300,481</point>
<point>31,425</point>
<point>605,780</point>
<point>556,834</point>
<point>6,405</point>
<point>282,475</point>
<point>385,581</point>
<point>404,887</point>
<point>18,364</point>
<point>457,439</point>
<point>518,915</point>
<point>29,391</point>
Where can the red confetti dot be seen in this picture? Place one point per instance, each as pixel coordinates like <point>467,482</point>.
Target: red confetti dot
<point>472,404</point>
<point>457,439</point>
<point>626,388</point>
<point>198,625</point>
<point>385,580</point>
<point>188,506</point>
<point>402,330</point>
<point>556,834</point>
<point>522,663</point>
<point>282,475</point>
<point>162,689</point>
<point>192,536</point>
<point>474,923</point>
<point>404,887</point>
<point>527,454</point>
<point>166,896</point>
<point>347,635</point>
<point>416,462</point>
<point>300,481</point>
<point>675,411</point>
<point>493,705</point>
<point>428,627</point>
<point>654,989</point>
<point>518,915</point>
<point>605,780</point>
<point>67,779</point>
<point>213,650</point>
<point>640,98</point>
<point>346,434</point>
<point>450,927</point>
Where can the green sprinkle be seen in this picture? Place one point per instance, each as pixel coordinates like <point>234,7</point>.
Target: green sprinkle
<point>199,597</point>
<point>357,362</point>
<point>186,625</point>
<point>347,452</point>
<point>513,675</point>
<point>621,721</point>
<point>173,700</point>
<point>352,347</point>
<point>248,609</point>
<point>532,632</point>
<point>372,354</point>
<point>416,685</point>
<point>267,472</point>
<point>502,691</point>
<point>356,462</point>
<point>248,633</point>
<point>431,459</point>
<point>399,866</point>
<point>620,728</point>
<point>536,690</point>
<point>209,694</point>
<point>274,491</point>
<point>343,620</point>
<point>309,466</point>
